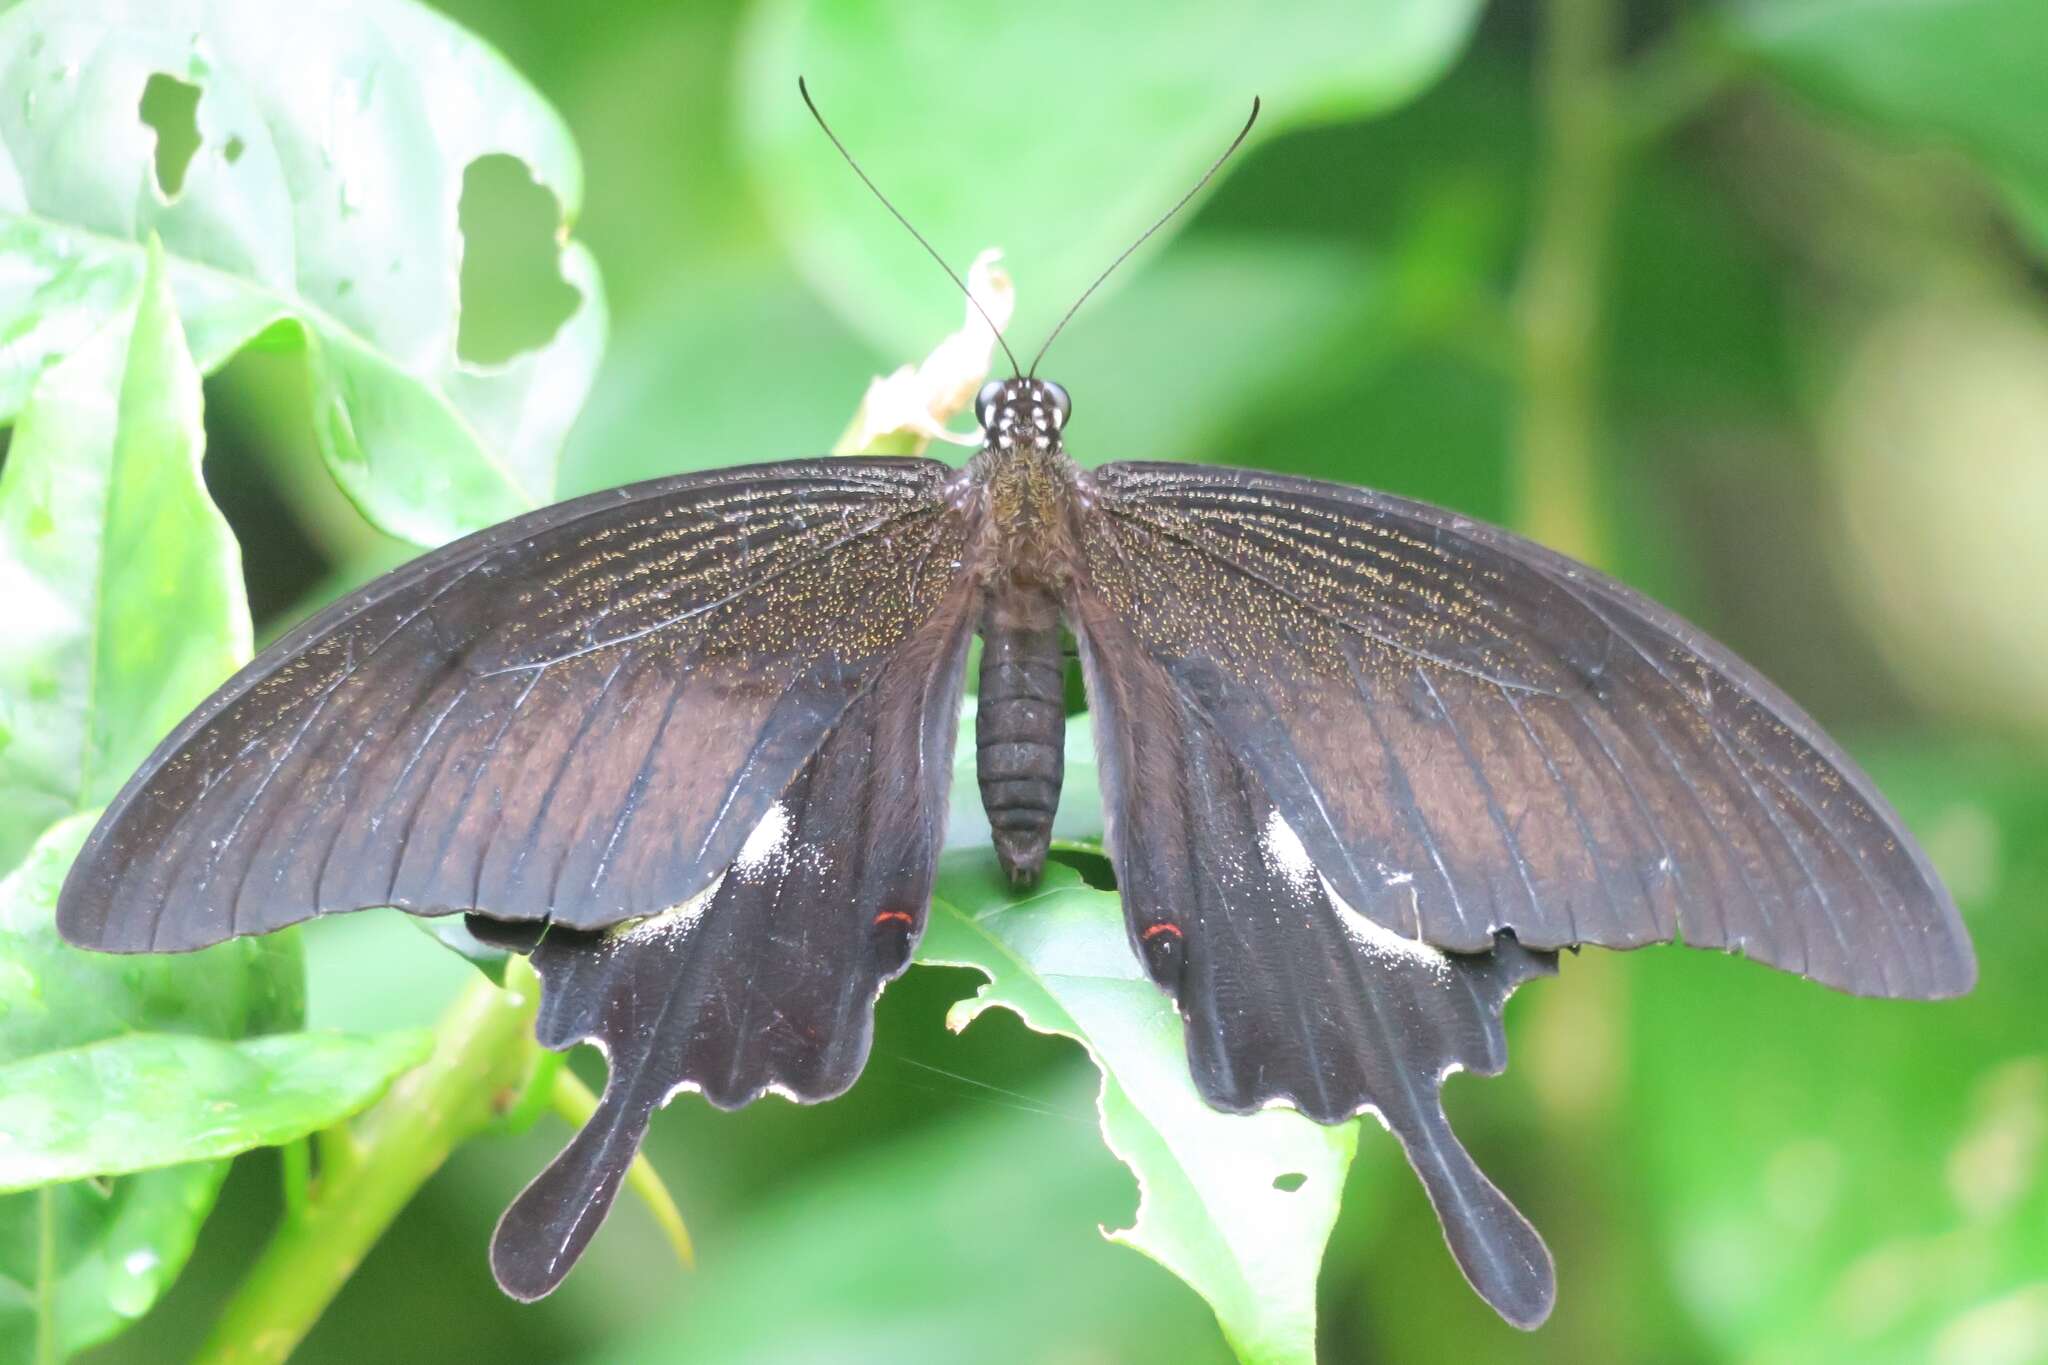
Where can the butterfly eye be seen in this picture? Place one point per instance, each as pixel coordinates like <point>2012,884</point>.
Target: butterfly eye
<point>1056,398</point>
<point>985,402</point>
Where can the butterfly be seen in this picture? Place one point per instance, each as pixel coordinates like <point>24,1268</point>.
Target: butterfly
<point>1367,766</point>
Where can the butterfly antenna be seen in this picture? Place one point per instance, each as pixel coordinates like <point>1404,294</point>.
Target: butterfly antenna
<point>1164,218</point>
<point>952,274</point>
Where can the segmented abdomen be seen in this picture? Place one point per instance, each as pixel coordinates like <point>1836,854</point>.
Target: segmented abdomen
<point>1020,726</point>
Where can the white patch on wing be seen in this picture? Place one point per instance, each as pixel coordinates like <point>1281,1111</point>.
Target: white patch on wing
<point>1378,941</point>
<point>768,845</point>
<point>1285,851</point>
<point>1365,1107</point>
<point>673,922</point>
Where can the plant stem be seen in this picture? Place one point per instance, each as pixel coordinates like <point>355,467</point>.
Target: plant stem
<point>1559,298</point>
<point>46,1277</point>
<point>483,1047</point>
<point>295,1171</point>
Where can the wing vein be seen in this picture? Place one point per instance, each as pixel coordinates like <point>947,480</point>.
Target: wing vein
<point>1357,628</point>
<point>1404,796</point>
<point>746,589</point>
<point>1593,858</point>
<point>1493,806</point>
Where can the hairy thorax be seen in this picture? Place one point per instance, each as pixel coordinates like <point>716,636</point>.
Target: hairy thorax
<point>1028,501</point>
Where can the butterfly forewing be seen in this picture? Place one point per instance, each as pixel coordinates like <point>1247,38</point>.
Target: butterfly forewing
<point>1472,734</point>
<point>577,716</point>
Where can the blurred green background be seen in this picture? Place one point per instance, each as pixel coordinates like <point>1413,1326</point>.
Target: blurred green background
<point>1752,309</point>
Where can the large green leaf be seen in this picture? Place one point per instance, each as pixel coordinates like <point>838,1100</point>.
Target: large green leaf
<point>161,1099</point>
<point>122,582</point>
<point>1217,326</point>
<point>1867,1180</point>
<point>971,1240</point>
<point>54,996</point>
<point>1965,72</point>
<point>751,367</point>
<point>79,1261</point>
<point>938,99</point>
<point>1238,1206</point>
<point>322,198</point>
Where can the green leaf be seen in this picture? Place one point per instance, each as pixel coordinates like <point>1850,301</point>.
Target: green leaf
<point>123,583</point>
<point>968,1238</point>
<point>730,367</point>
<point>322,200</point>
<point>112,1250</point>
<point>1866,1180</point>
<point>149,1100</point>
<point>1220,1204</point>
<point>1258,317</point>
<point>1965,72</point>
<point>1065,198</point>
<point>750,366</point>
<point>54,996</point>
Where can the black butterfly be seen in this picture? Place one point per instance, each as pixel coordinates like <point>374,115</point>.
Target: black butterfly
<point>1368,765</point>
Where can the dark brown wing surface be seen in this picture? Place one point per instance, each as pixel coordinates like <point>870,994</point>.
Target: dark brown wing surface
<point>768,979</point>
<point>1288,994</point>
<point>1471,734</point>
<point>577,716</point>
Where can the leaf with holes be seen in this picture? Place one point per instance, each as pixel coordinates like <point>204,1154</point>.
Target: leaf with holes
<point>306,170</point>
<point>122,581</point>
<point>1134,136</point>
<point>1240,1207</point>
<point>112,1249</point>
<point>933,1196</point>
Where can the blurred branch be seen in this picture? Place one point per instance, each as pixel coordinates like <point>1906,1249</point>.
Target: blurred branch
<point>1666,86</point>
<point>483,1049</point>
<point>1574,1039</point>
<point>1558,300</point>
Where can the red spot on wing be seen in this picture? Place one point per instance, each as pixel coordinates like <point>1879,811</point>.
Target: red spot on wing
<point>1153,931</point>
<point>902,917</point>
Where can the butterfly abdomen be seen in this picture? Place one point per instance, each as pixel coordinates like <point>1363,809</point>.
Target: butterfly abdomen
<point>1020,724</point>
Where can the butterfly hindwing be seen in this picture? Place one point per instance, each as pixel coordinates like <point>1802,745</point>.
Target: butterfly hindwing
<point>1288,994</point>
<point>767,980</point>
<point>577,716</point>
<point>1471,734</point>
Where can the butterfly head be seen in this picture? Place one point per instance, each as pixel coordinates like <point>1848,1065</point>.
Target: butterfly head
<point>1020,415</point>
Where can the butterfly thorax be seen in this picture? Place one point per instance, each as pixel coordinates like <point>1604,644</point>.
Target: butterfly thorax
<point>1027,501</point>
<point>1026,482</point>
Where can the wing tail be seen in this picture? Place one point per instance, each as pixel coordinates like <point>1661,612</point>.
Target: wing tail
<point>1501,1254</point>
